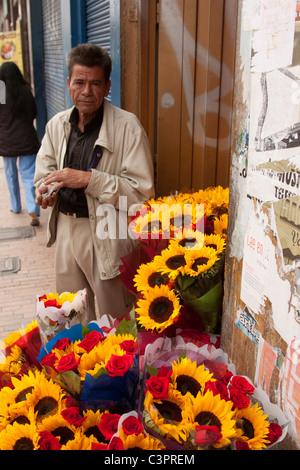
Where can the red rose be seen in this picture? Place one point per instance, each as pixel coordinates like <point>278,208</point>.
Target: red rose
<point>242,384</point>
<point>73,416</point>
<point>52,303</point>
<point>130,346</point>
<point>67,362</point>
<point>242,445</point>
<point>48,441</point>
<point>158,387</point>
<point>164,372</point>
<point>238,398</point>
<point>116,444</point>
<point>49,360</point>
<point>132,425</point>
<point>275,432</point>
<point>226,377</point>
<point>96,446</point>
<point>91,340</point>
<point>119,365</point>
<point>217,388</point>
<point>109,425</point>
<point>207,435</point>
<point>61,343</point>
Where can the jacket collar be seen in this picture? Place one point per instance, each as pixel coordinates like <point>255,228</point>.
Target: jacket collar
<point>106,136</point>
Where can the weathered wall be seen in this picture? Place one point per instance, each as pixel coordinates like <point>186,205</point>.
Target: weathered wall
<point>261,320</point>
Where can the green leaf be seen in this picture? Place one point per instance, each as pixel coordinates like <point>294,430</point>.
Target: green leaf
<point>127,327</point>
<point>151,370</point>
<point>85,331</point>
<point>70,381</point>
<point>100,372</point>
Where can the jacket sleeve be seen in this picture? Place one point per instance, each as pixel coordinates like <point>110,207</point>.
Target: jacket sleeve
<point>135,179</point>
<point>46,158</point>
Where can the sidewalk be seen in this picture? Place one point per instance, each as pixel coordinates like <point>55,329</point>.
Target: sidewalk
<point>36,275</point>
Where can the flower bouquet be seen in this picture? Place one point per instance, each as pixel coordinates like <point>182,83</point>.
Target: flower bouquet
<point>55,312</point>
<point>97,367</point>
<point>182,242</point>
<point>201,404</point>
<point>20,351</point>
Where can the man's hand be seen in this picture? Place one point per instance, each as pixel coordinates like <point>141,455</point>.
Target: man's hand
<point>65,178</point>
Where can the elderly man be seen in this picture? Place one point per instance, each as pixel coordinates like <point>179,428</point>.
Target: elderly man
<point>92,156</point>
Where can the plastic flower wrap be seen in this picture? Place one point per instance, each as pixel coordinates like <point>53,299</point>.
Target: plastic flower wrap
<point>20,351</point>
<point>96,366</point>
<point>193,399</point>
<point>55,312</point>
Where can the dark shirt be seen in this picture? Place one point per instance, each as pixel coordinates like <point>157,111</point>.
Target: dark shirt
<point>78,156</point>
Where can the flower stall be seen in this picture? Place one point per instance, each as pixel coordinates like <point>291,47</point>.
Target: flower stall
<point>155,379</point>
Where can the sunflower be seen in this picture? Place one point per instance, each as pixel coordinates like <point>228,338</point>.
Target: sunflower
<point>81,442</point>
<point>190,239</point>
<point>46,398</point>
<point>13,362</point>
<point>58,427</point>
<point>171,261</point>
<point>158,308</point>
<point>254,425</point>
<point>90,426</point>
<point>148,277</point>
<point>216,242</point>
<point>167,417</point>
<point>211,410</point>
<point>98,357</point>
<point>220,225</point>
<point>19,437</point>
<point>200,261</point>
<point>188,378</point>
<point>23,414</point>
<point>140,442</point>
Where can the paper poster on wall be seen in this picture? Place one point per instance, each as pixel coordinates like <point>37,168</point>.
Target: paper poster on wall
<point>272,24</point>
<point>11,48</point>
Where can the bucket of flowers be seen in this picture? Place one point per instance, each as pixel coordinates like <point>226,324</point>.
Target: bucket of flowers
<point>99,367</point>
<point>199,403</point>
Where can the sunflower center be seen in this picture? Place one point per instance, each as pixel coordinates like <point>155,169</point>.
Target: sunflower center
<point>186,384</point>
<point>157,279</point>
<point>65,434</point>
<point>95,431</point>
<point>161,309</point>
<point>175,262</point>
<point>45,405</point>
<point>188,242</point>
<point>23,444</point>
<point>199,262</point>
<point>22,395</point>
<point>248,428</point>
<point>21,420</point>
<point>169,410</point>
<point>205,418</point>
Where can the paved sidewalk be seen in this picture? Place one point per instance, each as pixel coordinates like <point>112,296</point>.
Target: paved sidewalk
<point>18,290</point>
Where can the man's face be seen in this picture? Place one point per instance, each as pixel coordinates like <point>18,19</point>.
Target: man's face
<point>87,88</point>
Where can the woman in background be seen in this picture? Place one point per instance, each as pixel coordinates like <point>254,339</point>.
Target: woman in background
<point>19,142</point>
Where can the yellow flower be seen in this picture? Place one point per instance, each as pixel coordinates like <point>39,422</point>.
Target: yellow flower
<point>171,261</point>
<point>188,378</point>
<point>158,309</point>
<point>59,427</point>
<point>80,442</point>
<point>19,437</point>
<point>148,277</point>
<point>211,410</point>
<point>167,417</point>
<point>46,398</point>
<point>254,425</point>
<point>13,363</point>
<point>215,241</point>
<point>220,225</point>
<point>140,442</point>
<point>190,240</point>
<point>90,428</point>
<point>200,261</point>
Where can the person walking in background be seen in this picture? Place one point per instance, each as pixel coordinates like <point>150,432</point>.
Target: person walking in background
<point>19,142</point>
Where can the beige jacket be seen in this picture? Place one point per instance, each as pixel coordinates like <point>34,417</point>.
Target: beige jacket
<point>126,170</point>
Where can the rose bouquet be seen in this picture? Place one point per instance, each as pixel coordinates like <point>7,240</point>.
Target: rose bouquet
<point>20,351</point>
<point>96,366</point>
<point>55,312</point>
<point>202,404</point>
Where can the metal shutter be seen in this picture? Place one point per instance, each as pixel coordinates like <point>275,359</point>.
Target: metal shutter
<point>53,57</point>
<point>98,25</point>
